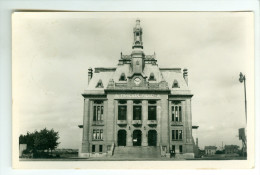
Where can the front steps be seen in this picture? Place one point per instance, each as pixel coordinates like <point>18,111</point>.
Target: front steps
<point>135,152</point>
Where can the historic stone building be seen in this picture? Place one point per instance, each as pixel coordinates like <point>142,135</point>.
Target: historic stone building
<point>137,108</point>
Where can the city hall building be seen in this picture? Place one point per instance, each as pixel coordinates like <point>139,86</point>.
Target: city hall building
<point>137,108</point>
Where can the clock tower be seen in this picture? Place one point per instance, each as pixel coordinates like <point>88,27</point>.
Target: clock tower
<point>137,61</point>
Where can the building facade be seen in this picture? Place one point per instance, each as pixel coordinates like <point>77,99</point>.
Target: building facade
<point>210,150</point>
<point>137,105</point>
<point>231,149</point>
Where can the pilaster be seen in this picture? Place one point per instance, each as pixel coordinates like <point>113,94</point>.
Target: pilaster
<point>86,129</point>
<point>129,141</point>
<point>144,121</point>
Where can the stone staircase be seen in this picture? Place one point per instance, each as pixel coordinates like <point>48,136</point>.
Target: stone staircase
<point>139,152</point>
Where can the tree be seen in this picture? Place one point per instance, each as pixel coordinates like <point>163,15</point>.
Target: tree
<point>27,139</point>
<point>39,141</point>
<point>46,140</point>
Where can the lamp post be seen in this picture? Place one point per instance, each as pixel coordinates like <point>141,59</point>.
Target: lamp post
<point>242,78</point>
<point>242,131</point>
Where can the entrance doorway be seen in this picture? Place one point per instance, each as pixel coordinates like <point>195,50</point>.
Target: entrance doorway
<point>121,138</point>
<point>152,138</point>
<point>137,138</point>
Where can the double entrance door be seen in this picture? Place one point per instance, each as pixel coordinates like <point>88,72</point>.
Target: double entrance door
<point>137,138</point>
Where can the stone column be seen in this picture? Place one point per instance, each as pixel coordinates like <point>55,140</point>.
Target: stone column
<point>106,130</point>
<point>144,122</point>
<point>110,123</point>
<point>170,120</point>
<point>158,118</point>
<point>129,141</point>
<point>164,121</point>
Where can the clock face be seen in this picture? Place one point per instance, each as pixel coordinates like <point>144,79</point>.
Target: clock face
<point>137,81</point>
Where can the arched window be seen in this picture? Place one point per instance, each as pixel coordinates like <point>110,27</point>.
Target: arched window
<point>152,78</point>
<point>137,62</point>
<point>175,84</point>
<point>99,84</point>
<point>122,77</point>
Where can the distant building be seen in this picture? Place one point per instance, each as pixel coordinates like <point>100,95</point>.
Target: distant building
<point>22,147</point>
<point>137,108</point>
<point>210,150</point>
<point>231,149</point>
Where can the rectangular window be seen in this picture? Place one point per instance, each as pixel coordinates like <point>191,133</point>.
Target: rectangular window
<point>176,113</point>
<point>101,134</point>
<point>102,113</point>
<point>100,148</point>
<point>94,134</point>
<point>151,112</point>
<point>97,134</point>
<point>98,111</point>
<point>137,112</point>
<point>173,116</point>
<point>180,135</point>
<point>93,149</point>
<point>177,135</point>
<point>122,111</point>
<point>180,116</point>
<point>180,148</point>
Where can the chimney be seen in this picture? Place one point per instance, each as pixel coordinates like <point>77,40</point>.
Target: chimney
<point>185,75</point>
<point>90,74</point>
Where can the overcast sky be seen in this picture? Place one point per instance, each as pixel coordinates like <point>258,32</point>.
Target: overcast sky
<point>52,52</point>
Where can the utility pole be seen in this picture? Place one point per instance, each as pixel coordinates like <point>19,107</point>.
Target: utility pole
<point>242,131</point>
<point>242,78</point>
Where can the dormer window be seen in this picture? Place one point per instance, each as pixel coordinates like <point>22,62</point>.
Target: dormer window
<point>99,84</point>
<point>175,84</point>
<point>122,77</point>
<point>152,78</point>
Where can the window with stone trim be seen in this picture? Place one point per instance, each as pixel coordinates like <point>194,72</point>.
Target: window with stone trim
<point>177,134</point>
<point>176,110</point>
<point>175,84</point>
<point>152,110</point>
<point>122,110</point>
<point>137,110</point>
<point>97,134</point>
<point>152,77</point>
<point>122,77</point>
<point>99,84</point>
<point>98,110</point>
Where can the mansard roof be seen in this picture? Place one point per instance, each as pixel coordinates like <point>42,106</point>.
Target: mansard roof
<point>169,75</point>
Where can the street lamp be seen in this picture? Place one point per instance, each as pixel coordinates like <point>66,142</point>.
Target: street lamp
<point>242,78</point>
<point>242,131</point>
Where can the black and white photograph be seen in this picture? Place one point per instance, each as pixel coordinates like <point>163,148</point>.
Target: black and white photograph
<point>133,90</point>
